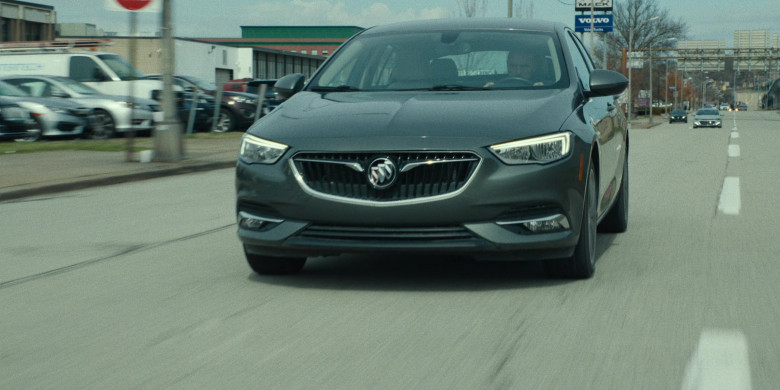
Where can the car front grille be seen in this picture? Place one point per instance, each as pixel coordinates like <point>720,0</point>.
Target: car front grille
<point>385,234</point>
<point>418,175</point>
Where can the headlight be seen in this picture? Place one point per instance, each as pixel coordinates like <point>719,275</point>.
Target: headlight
<point>543,149</point>
<point>242,99</point>
<point>258,150</point>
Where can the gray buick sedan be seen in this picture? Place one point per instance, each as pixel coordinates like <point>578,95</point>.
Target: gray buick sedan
<point>494,138</point>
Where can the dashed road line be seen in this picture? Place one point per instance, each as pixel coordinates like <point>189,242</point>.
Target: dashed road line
<point>720,362</point>
<point>733,150</point>
<point>730,202</point>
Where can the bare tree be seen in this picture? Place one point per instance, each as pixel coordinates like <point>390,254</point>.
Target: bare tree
<point>642,24</point>
<point>472,8</point>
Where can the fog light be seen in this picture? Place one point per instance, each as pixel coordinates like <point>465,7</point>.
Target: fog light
<point>254,222</point>
<point>549,224</point>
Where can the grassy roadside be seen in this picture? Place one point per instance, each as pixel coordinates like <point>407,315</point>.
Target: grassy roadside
<point>111,145</point>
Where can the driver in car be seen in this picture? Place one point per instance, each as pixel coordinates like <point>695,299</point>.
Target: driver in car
<point>522,65</point>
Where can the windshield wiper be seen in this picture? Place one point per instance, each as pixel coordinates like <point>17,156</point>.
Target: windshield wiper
<point>340,88</point>
<point>456,87</point>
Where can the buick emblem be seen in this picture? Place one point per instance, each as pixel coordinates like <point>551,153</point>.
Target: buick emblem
<point>381,173</point>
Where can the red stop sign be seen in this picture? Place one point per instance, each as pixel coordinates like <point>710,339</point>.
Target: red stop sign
<point>133,5</point>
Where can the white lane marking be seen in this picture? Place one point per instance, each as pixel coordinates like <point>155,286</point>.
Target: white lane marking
<point>734,134</point>
<point>733,150</point>
<point>730,202</point>
<point>719,363</point>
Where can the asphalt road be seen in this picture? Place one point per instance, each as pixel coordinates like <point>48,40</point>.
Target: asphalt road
<point>144,285</point>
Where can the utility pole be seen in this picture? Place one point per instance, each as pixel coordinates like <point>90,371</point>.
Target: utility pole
<point>651,88</point>
<point>167,134</point>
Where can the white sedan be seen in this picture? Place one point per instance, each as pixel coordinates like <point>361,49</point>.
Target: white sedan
<point>114,113</point>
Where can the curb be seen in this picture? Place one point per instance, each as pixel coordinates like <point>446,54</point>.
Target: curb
<point>114,179</point>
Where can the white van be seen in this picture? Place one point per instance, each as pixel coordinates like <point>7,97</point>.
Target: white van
<point>107,72</point>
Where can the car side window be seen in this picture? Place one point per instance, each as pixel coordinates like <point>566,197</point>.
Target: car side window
<point>580,61</point>
<point>85,69</point>
<point>31,87</point>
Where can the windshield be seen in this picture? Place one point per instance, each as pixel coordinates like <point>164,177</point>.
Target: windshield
<point>485,59</point>
<point>77,87</point>
<point>10,90</point>
<point>121,67</point>
<point>708,112</point>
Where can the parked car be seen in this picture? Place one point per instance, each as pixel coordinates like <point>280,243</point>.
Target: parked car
<point>272,98</point>
<point>55,117</point>
<point>114,113</point>
<point>678,116</point>
<point>707,117</point>
<point>237,109</point>
<point>203,114</point>
<point>15,121</point>
<point>412,152</point>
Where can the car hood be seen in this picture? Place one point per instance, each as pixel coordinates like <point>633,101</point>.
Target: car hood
<point>707,117</point>
<point>415,119</point>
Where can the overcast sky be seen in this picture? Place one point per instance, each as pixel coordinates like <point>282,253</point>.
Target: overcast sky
<point>706,19</point>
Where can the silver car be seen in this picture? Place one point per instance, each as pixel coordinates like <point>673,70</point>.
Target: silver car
<point>113,113</point>
<point>707,117</point>
<point>55,117</point>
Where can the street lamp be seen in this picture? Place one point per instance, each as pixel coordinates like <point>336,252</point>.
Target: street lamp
<point>631,50</point>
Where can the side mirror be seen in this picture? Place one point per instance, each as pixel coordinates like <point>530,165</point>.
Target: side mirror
<point>289,85</point>
<point>606,83</point>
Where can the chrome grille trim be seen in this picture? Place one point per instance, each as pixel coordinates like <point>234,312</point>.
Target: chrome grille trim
<point>399,234</point>
<point>423,176</point>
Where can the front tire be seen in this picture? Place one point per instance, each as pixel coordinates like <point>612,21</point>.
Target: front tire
<point>582,264</point>
<point>33,134</point>
<point>616,221</point>
<point>226,121</point>
<point>105,127</point>
<point>269,265</point>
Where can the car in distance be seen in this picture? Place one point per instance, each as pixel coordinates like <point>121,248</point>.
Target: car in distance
<point>678,116</point>
<point>237,109</point>
<point>742,107</point>
<point>724,106</point>
<point>54,117</point>
<point>419,137</point>
<point>707,117</point>
<point>113,113</point>
<point>15,121</point>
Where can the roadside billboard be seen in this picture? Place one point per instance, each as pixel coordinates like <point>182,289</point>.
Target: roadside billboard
<point>598,5</point>
<point>601,23</point>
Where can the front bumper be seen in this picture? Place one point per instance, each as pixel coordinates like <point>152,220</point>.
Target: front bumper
<point>484,220</point>
<point>54,124</point>
<point>707,123</point>
<point>136,120</point>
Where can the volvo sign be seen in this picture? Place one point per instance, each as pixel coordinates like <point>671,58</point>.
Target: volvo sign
<point>601,23</point>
